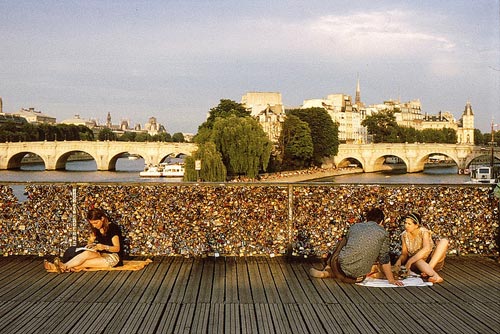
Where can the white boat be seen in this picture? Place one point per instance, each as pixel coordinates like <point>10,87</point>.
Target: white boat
<point>487,174</point>
<point>174,170</point>
<point>484,174</point>
<point>152,171</point>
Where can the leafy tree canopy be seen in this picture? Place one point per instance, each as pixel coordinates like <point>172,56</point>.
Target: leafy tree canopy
<point>324,132</point>
<point>296,144</point>
<point>212,167</point>
<point>106,134</point>
<point>178,137</point>
<point>382,126</point>
<point>225,109</point>
<point>243,144</point>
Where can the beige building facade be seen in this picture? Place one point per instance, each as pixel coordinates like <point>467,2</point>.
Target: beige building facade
<point>267,108</point>
<point>345,114</point>
<point>34,116</point>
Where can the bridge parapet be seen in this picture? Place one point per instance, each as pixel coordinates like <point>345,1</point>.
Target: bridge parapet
<point>414,155</point>
<point>55,153</point>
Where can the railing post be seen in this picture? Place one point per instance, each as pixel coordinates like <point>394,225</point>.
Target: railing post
<point>74,220</point>
<point>290,213</point>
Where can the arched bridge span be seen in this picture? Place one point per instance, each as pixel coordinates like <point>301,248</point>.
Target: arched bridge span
<point>55,154</point>
<point>372,156</point>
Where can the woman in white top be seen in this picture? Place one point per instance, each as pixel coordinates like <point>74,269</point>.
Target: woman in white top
<point>418,252</point>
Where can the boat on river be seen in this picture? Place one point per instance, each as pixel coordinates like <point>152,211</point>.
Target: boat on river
<point>487,174</point>
<point>174,170</point>
<point>152,171</point>
<point>163,170</point>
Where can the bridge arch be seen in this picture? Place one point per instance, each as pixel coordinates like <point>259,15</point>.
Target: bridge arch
<point>105,153</point>
<point>413,155</point>
<point>473,157</point>
<point>347,161</point>
<point>62,159</point>
<point>15,161</point>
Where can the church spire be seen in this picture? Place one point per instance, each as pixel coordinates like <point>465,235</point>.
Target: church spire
<point>108,120</point>
<point>357,100</point>
<point>468,109</point>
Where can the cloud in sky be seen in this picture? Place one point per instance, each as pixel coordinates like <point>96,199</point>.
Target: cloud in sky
<point>176,59</point>
<point>391,33</point>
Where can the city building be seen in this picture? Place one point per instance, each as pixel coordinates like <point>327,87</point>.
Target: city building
<point>34,116</point>
<point>409,114</point>
<point>152,127</point>
<point>347,115</point>
<point>267,108</point>
<point>464,127</point>
<point>76,120</point>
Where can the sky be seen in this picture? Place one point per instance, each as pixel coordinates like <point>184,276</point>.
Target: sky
<point>176,59</point>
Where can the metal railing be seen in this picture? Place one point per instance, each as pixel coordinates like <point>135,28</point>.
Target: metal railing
<point>212,219</point>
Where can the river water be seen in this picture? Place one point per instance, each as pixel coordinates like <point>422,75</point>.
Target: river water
<point>127,171</point>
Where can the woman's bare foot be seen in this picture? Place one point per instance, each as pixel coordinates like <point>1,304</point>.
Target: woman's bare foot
<point>319,273</point>
<point>436,279</point>
<point>49,266</point>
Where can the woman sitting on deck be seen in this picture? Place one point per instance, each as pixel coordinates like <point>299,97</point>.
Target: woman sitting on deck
<point>418,252</point>
<point>105,248</point>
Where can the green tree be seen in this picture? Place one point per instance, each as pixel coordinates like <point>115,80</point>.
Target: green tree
<point>212,167</point>
<point>449,136</point>
<point>296,143</point>
<point>85,133</point>
<point>178,137</point>
<point>106,134</point>
<point>382,126</point>
<point>225,109</point>
<point>409,135</point>
<point>324,132</point>
<point>143,137</point>
<point>163,137</point>
<point>478,137</point>
<point>128,136</point>
<point>243,144</point>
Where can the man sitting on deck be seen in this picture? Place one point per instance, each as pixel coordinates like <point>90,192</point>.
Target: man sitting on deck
<point>365,244</point>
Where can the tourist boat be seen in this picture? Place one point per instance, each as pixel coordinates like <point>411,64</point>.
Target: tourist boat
<point>174,170</point>
<point>484,174</point>
<point>163,170</point>
<point>152,171</point>
<point>487,174</point>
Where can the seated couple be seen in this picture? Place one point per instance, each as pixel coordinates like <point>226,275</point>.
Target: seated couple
<point>367,244</point>
<point>105,247</point>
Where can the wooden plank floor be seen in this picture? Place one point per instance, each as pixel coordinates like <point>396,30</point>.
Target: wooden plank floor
<point>242,295</point>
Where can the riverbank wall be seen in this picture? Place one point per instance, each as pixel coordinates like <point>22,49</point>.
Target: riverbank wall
<point>241,219</point>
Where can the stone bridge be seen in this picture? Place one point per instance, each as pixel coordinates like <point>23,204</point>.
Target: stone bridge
<point>371,157</point>
<point>56,153</point>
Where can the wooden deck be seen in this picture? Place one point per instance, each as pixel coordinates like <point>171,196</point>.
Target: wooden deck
<point>242,295</point>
